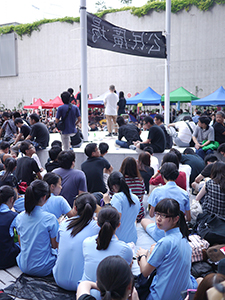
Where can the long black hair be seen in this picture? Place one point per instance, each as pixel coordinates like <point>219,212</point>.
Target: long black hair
<point>86,206</point>
<point>34,192</point>
<point>129,167</point>
<point>218,174</point>
<point>10,164</point>
<point>115,285</point>
<point>108,220</point>
<point>171,208</point>
<point>116,178</point>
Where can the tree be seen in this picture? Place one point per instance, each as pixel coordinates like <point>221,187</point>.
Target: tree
<point>100,5</point>
<point>127,2</point>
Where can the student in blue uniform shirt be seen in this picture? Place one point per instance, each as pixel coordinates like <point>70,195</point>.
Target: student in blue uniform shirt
<point>171,256</point>
<point>56,205</point>
<point>96,248</point>
<point>128,206</point>
<point>8,249</point>
<point>69,266</point>
<point>37,230</point>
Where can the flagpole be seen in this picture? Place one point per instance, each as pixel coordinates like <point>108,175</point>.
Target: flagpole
<point>83,39</point>
<point>167,63</point>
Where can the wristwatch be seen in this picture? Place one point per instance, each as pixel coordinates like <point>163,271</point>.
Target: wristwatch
<point>140,256</point>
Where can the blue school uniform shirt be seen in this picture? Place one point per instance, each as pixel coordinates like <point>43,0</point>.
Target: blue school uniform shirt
<point>4,208</point>
<point>169,190</point>
<point>92,256</point>
<point>37,257</point>
<point>172,259</point>
<point>57,205</point>
<point>127,231</point>
<point>69,266</point>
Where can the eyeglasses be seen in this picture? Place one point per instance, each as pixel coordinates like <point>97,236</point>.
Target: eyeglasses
<point>162,216</point>
<point>31,147</point>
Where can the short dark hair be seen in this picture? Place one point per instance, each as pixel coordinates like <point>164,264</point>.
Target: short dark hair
<point>89,149</point>
<point>35,117</point>
<point>177,152</point>
<point>149,149</point>
<point>189,150</point>
<point>120,121</point>
<point>25,146</point>
<point>18,120</point>
<point>187,118</point>
<point>16,114</point>
<point>198,112</point>
<point>221,148</point>
<point>65,96</point>
<point>4,145</point>
<point>103,147</point>
<point>56,143</point>
<point>204,120</point>
<point>169,171</point>
<point>66,158</point>
<point>210,158</point>
<point>6,114</point>
<point>159,117</point>
<point>54,152</point>
<point>149,119</point>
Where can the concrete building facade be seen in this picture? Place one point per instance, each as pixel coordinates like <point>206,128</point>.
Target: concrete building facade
<point>49,60</point>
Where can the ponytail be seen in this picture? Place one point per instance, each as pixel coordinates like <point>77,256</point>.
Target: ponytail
<point>116,178</point>
<point>34,193</point>
<point>10,164</point>
<point>108,220</point>
<point>86,205</point>
<point>6,192</point>
<point>171,208</point>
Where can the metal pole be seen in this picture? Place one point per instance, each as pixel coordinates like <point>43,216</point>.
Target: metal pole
<point>167,63</point>
<point>83,39</point>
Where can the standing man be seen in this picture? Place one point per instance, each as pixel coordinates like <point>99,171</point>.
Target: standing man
<point>39,133</point>
<point>71,116</point>
<point>79,98</point>
<point>111,110</point>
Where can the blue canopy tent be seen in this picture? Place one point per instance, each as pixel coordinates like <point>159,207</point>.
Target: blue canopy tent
<point>147,97</point>
<point>217,98</point>
<point>98,101</point>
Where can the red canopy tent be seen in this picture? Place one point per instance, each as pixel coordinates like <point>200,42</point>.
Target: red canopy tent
<point>35,105</point>
<point>53,103</point>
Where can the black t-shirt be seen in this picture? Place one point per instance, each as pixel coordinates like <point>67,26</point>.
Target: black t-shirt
<point>93,169</point>
<point>206,172</point>
<point>169,140</point>
<point>146,175</point>
<point>219,129</point>
<point>25,168</point>
<point>25,130</point>
<point>51,165</point>
<point>121,103</point>
<point>40,134</point>
<point>86,297</point>
<point>196,163</point>
<point>157,137</point>
<point>130,132</point>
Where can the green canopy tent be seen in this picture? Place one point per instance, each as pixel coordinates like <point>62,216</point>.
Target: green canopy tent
<point>180,95</point>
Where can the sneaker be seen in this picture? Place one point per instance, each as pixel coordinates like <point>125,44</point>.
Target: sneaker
<point>115,133</point>
<point>132,147</point>
<point>109,134</point>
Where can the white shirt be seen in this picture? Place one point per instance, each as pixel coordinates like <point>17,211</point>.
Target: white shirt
<point>184,133</point>
<point>110,102</point>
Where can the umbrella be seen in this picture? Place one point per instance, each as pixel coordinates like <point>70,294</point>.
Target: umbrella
<point>147,97</point>
<point>35,105</point>
<point>217,98</point>
<point>181,95</point>
<point>53,103</point>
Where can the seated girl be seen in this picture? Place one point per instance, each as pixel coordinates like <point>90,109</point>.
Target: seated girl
<point>169,173</point>
<point>171,256</point>
<point>37,230</point>
<point>8,249</point>
<point>69,268</point>
<point>119,285</point>
<point>128,206</point>
<point>56,205</point>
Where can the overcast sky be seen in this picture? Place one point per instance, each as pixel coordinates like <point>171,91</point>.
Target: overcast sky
<point>25,11</point>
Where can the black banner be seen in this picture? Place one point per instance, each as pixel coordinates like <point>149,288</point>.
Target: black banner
<point>104,35</point>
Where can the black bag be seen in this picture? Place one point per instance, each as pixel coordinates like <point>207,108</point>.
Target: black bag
<point>142,285</point>
<point>76,139</point>
<point>211,228</point>
<point>61,124</point>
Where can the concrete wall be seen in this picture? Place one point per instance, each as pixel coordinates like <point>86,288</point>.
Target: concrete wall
<point>49,60</point>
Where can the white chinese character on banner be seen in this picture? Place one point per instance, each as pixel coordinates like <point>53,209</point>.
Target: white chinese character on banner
<point>119,37</point>
<point>156,46</point>
<point>138,38</point>
<point>98,31</point>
